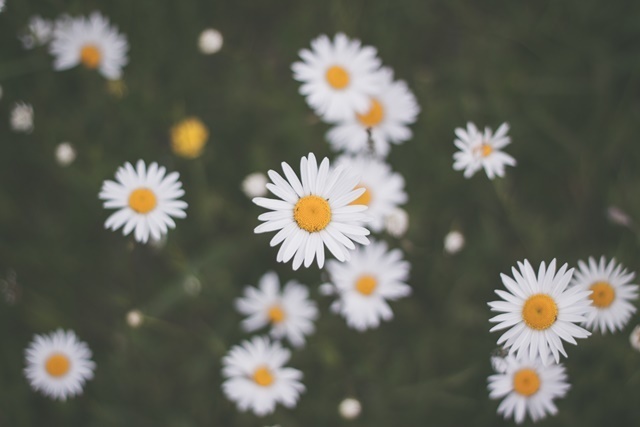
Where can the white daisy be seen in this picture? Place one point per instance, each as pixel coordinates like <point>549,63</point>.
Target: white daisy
<point>453,242</point>
<point>396,222</point>
<point>385,121</point>
<point>611,294</point>
<point>338,77</point>
<point>634,338</point>
<point>65,153</point>
<point>365,283</point>
<point>146,200</point>
<point>255,185</point>
<point>256,378</point>
<point>92,42</point>
<point>58,364</point>
<point>478,150</point>
<point>210,41</point>
<point>528,386</point>
<point>39,32</point>
<point>314,213</point>
<point>290,313</point>
<point>21,118</point>
<point>540,311</point>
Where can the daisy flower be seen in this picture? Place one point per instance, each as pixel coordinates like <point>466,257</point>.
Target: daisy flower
<point>58,364</point>
<point>255,185</point>
<point>38,32</point>
<point>314,213</point>
<point>189,137</point>
<point>540,311</point>
<point>290,312</point>
<point>210,41</point>
<point>385,121</point>
<point>365,283</point>
<point>482,150</point>
<point>396,222</point>
<point>256,378</point>
<point>338,77</point>
<point>384,189</point>
<point>92,42</point>
<point>146,200</point>
<point>21,118</point>
<point>611,294</point>
<point>528,386</point>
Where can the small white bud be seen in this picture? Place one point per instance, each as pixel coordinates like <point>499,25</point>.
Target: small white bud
<point>350,408</point>
<point>210,41</point>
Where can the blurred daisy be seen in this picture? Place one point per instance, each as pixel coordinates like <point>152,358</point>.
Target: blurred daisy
<point>365,283</point>
<point>146,200</point>
<point>338,78</point>
<point>528,386</point>
<point>396,222</point>
<point>189,137</point>
<point>65,154</point>
<point>540,311</point>
<point>21,118</point>
<point>453,242</point>
<point>58,364</point>
<point>2,3</point>
<point>38,33</point>
<point>256,378</point>
<point>385,121</point>
<point>314,213</point>
<point>210,41</point>
<point>290,313</point>
<point>92,42</point>
<point>611,294</point>
<point>255,185</point>
<point>478,150</point>
<point>634,338</point>
<point>350,408</point>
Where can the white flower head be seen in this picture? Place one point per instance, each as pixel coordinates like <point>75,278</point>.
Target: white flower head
<point>290,312</point>
<point>92,42</point>
<point>612,293</point>
<point>65,154</point>
<point>396,222</point>
<point>210,41</point>
<point>146,200</point>
<point>58,364</point>
<point>38,33</point>
<point>256,378</point>
<point>350,408</point>
<point>21,119</point>
<point>313,213</point>
<point>528,386</point>
<point>482,150</point>
<point>364,284</point>
<point>338,77</point>
<point>135,318</point>
<point>255,185</point>
<point>540,311</point>
<point>634,338</point>
<point>2,4</point>
<point>453,242</point>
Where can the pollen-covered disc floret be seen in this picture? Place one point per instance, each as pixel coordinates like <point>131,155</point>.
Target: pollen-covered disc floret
<point>146,200</point>
<point>256,379</point>
<point>314,212</point>
<point>528,386</point>
<point>58,364</point>
<point>540,311</point>
<point>289,312</point>
<point>611,293</point>
<point>364,284</point>
<point>482,150</point>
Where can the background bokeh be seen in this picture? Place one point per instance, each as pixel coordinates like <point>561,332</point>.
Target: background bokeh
<point>565,75</point>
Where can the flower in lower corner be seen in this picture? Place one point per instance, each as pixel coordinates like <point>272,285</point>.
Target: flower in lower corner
<point>189,137</point>
<point>146,199</point>
<point>528,386</point>
<point>313,213</point>
<point>482,150</point>
<point>58,364</point>
<point>611,293</point>
<point>256,378</point>
<point>289,311</point>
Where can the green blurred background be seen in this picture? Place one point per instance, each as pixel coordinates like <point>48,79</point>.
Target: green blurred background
<point>564,74</point>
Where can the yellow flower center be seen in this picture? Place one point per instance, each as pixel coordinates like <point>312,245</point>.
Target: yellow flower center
<point>540,312</point>
<point>366,284</point>
<point>337,77</point>
<point>374,116</point>
<point>142,200</point>
<point>312,213</point>
<point>526,382</point>
<point>188,138</point>
<point>276,314</point>
<point>90,56</point>
<point>486,150</point>
<point>57,365</point>
<point>262,376</point>
<point>364,199</point>
<point>603,294</point>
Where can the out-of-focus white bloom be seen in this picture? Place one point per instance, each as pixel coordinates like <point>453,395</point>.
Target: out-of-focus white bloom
<point>499,364</point>
<point>135,318</point>
<point>634,338</point>
<point>453,242</point>
<point>397,222</point>
<point>22,117</point>
<point>1,5</point>
<point>210,41</point>
<point>38,33</point>
<point>65,154</point>
<point>255,185</point>
<point>350,408</point>
<point>618,216</point>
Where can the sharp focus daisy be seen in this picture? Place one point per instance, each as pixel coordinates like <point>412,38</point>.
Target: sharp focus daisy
<point>540,311</point>
<point>289,312</point>
<point>482,150</point>
<point>528,386</point>
<point>365,283</point>
<point>611,293</point>
<point>146,200</point>
<point>384,189</point>
<point>338,78</point>
<point>256,378</point>
<point>313,213</point>
<point>385,121</point>
<point>58,364</point>
<point>92,42</point>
